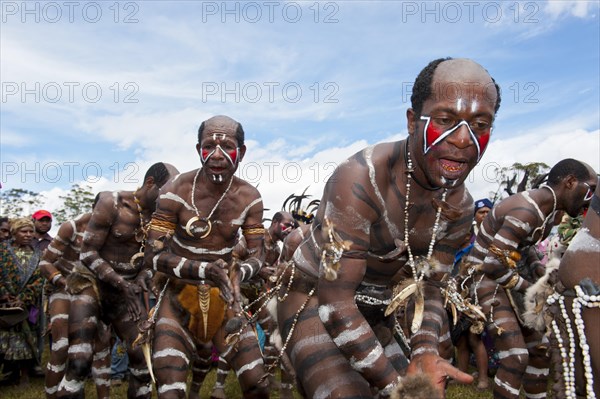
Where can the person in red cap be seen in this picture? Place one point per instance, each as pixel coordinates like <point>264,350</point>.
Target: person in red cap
<point>42,220</point>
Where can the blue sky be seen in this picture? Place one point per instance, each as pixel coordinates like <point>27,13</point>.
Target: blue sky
<point>101,90</point>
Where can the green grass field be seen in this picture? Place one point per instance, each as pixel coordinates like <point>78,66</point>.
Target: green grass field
<point>232,389</point>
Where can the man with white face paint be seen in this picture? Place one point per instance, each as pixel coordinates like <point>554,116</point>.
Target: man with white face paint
<point>400,211</point>
<point>190,245</point>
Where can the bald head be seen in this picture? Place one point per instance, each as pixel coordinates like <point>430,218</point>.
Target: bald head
<point>442,78</point>
<point>222,124</point>
<point>161,172</point>
<point>171,169</point>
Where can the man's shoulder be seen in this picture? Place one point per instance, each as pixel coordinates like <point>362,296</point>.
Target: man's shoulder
<point>180,182</point>
<point>248,190</point>
<point>82,220</point>
<point>379,156</point>
<point>66,230</point>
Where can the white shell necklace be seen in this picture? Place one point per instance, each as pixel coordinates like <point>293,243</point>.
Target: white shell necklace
<point>418,274</point>
<point>208,228</point>
<point>549,217</point>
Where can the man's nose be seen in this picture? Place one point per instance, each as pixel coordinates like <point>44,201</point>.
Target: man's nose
<point>219,153</point>
<point>461,137</point>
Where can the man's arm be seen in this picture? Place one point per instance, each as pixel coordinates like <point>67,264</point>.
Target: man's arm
<point>254,233</point>
<point>502,249</point>
<point>54,252</point>
<point>425,342</point>
<point>97,232</point>
<point>346,325</point>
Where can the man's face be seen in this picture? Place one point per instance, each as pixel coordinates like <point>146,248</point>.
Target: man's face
<point>43,225</point>
<point>454,128</point>
<point>581,195</point>
<point>219,153</point>
<point>480,214</point>
<point>284,227</point>
<point>4,231</point>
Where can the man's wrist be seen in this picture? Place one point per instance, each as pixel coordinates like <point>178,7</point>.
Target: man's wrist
<point>54,277</point>
<point>122,284</point>
<point>145,274</point>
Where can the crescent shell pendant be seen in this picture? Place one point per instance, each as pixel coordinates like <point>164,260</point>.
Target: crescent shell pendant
<point>188,227</point>
<point>135,257</point>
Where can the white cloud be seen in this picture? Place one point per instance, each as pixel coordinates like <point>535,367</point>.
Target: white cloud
<point>576,8</point>
<point>13,139</point>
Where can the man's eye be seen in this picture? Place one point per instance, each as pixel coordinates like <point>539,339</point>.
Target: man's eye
<point>444,121</point>
<point>480,125</point>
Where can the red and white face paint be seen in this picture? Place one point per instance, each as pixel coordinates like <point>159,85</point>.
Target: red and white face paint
<point>210,147</point>
<point>434,135</point>
<point>232,155</point>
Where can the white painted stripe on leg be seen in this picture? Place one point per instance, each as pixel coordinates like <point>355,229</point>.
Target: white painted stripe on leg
<point>177,386</point>
<point>170,352</point>
<point>249,366</point>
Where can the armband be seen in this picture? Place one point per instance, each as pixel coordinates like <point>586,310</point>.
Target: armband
<point>512,282</point>
<point>256,229</point>
<point>55,277</point>
<point>162,226</point>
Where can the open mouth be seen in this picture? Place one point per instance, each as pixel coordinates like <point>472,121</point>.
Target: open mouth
<point>452,169</point>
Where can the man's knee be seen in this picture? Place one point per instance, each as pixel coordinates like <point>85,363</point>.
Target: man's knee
<point>80,367</point>
<point>256,392</point>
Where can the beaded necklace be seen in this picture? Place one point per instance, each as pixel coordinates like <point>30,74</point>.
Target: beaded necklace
<point>197,217</point>
<point>550,215</point>
<point>419,266</point>
<point>418,274</point>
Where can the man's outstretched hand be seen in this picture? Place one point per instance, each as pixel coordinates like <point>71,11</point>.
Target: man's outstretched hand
<point>438,370</point>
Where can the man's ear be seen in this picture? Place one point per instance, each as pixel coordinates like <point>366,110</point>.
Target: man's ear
<point>570,182</point>
<point>410,120</point>
<point>198,148</point>
<point>149,182</point>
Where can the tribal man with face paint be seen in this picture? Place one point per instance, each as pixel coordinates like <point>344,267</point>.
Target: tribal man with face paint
<point>392,213</point>
<point>516,223</point>
<point>190,245</point>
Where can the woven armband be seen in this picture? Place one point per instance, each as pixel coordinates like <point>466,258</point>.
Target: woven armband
<point>162,226</point>
<point>256,229</point>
